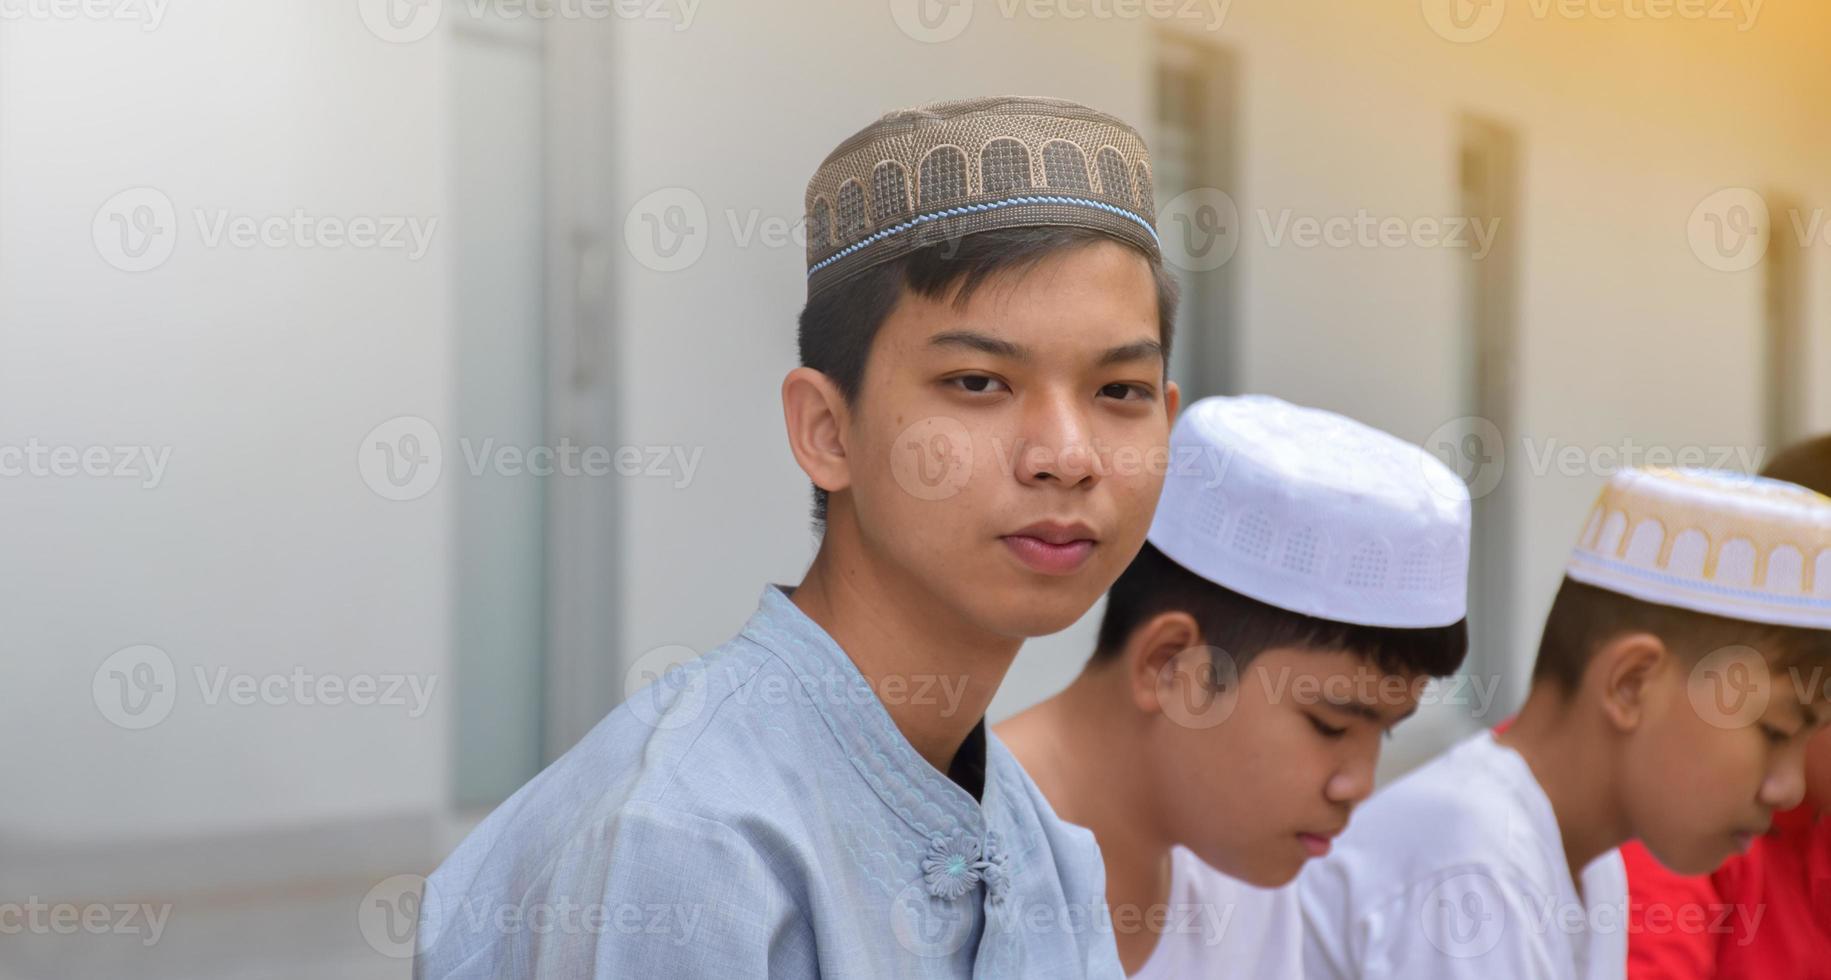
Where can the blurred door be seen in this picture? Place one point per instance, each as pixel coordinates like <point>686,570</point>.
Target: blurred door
<point>537,589</point>
<point>499,230</point>
<point>1489,171</point>
<point>1783,278</point>
<point>583,680</point>
<point>1193,146</point>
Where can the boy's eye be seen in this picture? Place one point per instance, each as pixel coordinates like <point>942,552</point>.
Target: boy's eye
<point>1326,731</point>
<point>978,384</point>
<point>1774,735</point>
<point>1126,391</point>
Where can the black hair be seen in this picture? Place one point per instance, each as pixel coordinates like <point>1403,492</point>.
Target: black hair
<point>839,325</point>
<point>1243,627</point>
<point>1805,463</point>
<point>1584,618</point>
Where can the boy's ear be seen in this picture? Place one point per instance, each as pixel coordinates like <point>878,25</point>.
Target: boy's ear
<point>1172,399</point>
<point>816,414</point>
<point>1624,669</point>
<point>1165,649</point>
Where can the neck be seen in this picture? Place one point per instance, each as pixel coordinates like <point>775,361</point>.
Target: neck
<point>934,674</point>
<point>1550,732</point>
<point>1085,757</point>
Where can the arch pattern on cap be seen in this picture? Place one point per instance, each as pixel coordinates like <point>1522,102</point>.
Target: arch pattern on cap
<point>933,173</point>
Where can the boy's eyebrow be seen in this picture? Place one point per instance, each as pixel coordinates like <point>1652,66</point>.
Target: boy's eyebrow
<point>1142,350</point>
<point>973,340</point>
<point>1363,710</point>
<point>1139,350</point>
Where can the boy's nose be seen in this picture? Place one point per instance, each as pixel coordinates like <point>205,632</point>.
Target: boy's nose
<point>1785,785</point>
<point>1059,446</point>
<point>1351,784</point>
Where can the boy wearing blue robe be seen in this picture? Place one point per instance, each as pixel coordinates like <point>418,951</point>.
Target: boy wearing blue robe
<point>983,410</point>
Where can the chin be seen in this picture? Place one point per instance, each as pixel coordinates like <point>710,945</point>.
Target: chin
<point>1260,871</point>
<point>1029,616</point>
<point>1022,606</point>
<point>1699,860</point>
<point>1273,877</point>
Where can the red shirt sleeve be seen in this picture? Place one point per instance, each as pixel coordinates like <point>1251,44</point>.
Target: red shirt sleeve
<point>1665,940</point>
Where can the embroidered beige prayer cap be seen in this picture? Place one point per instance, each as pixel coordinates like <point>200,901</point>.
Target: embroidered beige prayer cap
<point>939,171</point>
<point>1711,541</point>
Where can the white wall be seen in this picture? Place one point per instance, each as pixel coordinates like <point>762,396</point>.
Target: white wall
<point>262,549</point>
<point>261,369</point>
<point>706,347</point>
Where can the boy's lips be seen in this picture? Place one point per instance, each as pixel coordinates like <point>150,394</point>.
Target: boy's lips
<point>1316,844</point>
<point>1052,547</point>
<point>1745,839</point>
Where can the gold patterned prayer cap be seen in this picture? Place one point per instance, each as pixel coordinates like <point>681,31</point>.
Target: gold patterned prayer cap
<point>942,170</point>
<point>1711,541</point>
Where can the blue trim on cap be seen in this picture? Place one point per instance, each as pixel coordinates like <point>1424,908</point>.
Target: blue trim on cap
<point>1727,591</point>
<point>986,206</point>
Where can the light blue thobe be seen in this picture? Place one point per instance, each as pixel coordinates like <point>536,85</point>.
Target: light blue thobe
<point>757,813</point>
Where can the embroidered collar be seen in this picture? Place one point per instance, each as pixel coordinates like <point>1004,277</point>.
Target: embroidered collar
<point>933,806</point>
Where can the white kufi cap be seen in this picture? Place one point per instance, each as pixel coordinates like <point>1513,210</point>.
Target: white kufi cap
<point>1316,513</point>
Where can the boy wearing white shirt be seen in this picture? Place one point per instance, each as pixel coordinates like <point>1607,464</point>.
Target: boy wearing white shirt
<point>1660,709</point>
<point>1304,576</point>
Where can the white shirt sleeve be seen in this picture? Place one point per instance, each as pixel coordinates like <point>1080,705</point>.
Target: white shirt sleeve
<point>1471,923</point>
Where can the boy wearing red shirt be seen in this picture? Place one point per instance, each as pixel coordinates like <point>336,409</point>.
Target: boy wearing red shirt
<point>1763,913</point>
